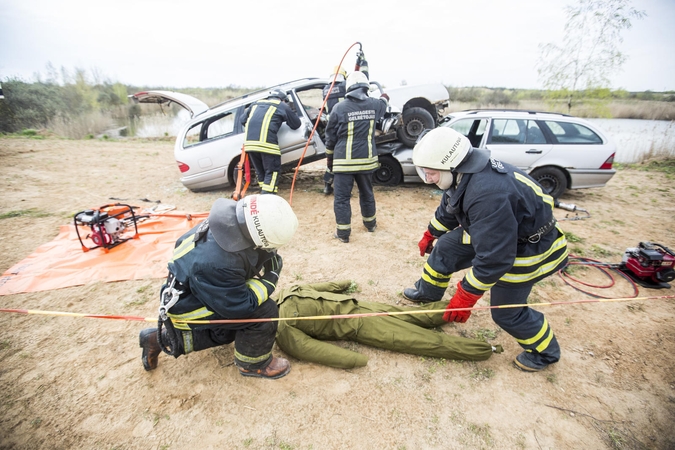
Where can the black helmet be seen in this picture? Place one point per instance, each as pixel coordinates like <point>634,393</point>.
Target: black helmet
<point>278,93</point>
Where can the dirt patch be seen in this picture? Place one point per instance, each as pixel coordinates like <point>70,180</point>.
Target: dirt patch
<point>79,383</point>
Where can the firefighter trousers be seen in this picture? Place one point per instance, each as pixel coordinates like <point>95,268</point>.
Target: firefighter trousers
<point>343,185</point>
<point>267,168</point>
<point>252,341</point>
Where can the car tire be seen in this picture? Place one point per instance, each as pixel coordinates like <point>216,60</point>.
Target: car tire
<point>231,172</point>
<point>552,180</point>
<point>389,173</point>
<point>415,120</point>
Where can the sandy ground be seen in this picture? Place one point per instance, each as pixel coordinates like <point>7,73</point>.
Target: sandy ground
<point>70,382</point>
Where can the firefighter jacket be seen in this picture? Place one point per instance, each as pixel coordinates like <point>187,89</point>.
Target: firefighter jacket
<point>262,121</point>
<point>216,284</point>
<point>337,94</point>
<point>508,220</point>
<point>407,333</point>
<point>350,134</point>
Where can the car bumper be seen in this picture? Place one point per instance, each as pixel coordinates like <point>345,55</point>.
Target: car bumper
<point>584,178</point>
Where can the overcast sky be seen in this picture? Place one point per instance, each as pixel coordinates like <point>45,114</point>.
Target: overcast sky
<point>249,43</point>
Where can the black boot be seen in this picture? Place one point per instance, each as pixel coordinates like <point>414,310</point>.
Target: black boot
<point>327,188</point>
<point>414,295</point>
<point>151,349</point>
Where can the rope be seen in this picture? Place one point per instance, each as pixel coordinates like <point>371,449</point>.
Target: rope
<point>316,124</point>
<point>328,317</point>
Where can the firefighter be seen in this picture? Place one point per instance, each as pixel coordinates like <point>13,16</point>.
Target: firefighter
<point>406,333</point>
<point>262,121</point>
<point>226,268</point>
<point>351,152</point>
<point>497,222</point>
<point>336,95</point>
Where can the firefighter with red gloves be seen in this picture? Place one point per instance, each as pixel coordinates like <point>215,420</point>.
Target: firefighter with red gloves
<point>497,222</point>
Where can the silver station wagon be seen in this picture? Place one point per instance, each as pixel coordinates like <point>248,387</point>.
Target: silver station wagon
<point>559,151</point>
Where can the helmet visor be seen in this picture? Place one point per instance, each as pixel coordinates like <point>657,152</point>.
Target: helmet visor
<point>429,176</point>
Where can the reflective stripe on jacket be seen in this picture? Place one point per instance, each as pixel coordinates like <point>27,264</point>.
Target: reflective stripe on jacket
<point>263,120</point>
<point>350,134</point>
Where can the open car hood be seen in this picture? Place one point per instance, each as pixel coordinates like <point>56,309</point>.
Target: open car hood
<point>191,104</point>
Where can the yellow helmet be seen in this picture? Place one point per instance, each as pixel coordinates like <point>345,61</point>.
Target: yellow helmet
<point>339,71</point>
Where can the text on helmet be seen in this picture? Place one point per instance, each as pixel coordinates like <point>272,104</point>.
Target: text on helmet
<point>452,151</point>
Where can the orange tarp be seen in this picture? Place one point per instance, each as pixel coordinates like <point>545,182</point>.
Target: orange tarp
<point>62,263</point>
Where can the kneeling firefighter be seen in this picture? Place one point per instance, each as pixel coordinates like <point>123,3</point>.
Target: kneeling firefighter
<point>497,221</point>
<point>226,268</point>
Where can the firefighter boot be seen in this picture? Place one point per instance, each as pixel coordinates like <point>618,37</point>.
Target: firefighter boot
<point>526,363</point>
<point>416,296</point>
<point>151,348</point>
<point>327,188</point>
<point>277,368</point>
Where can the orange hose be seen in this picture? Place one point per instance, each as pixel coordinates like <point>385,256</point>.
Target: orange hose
<point>316,124</point>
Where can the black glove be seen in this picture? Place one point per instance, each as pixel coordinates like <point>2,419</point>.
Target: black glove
<point>329,163</point>
<point>272,268</point>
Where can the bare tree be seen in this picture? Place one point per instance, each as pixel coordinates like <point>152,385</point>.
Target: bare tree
<point>589,53</point>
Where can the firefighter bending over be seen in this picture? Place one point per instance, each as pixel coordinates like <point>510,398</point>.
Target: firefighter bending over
<point>226,268</point>
<point>262,121</point>
<point>497,221</point>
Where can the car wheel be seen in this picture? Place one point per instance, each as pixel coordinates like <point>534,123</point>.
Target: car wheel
<point>552,180</point>
<point>415,120</point>
<point>389,173</point>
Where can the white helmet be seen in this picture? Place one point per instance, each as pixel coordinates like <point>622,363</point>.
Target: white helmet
<point>447,150</point>
<point>356,80</point>
<point>270,220</point>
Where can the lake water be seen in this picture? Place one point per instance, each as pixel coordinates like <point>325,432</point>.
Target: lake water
<point>634,139</point>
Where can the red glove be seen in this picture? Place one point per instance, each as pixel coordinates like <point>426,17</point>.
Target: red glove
<point>461,299</point>
<point>385,96</point>
<point>426,243</point>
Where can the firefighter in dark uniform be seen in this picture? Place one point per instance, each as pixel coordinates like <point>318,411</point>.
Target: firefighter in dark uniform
<point>351,152</point>
<point>262,121</point>
<point>226,268</point>
<point>406,333</point>
<point>336,95</point>
<point>497,221</point>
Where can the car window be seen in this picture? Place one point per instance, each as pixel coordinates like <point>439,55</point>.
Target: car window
<point>534,133</point>
<point>213,128</point>
<point>221,126</point>
<point>473,129</point>
<point>508,131</point>
<point>572,133</point>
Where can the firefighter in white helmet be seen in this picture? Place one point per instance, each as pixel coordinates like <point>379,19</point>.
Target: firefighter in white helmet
<point>497,222</point>
<point>351,152</point>
<point>226,268</point>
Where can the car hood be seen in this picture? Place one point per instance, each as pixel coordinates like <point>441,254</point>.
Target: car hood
<point>191,104</point>
<point>435,93</point>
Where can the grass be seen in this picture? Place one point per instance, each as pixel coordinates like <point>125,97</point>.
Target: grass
<point>662,165</point>
<point>32,212</point>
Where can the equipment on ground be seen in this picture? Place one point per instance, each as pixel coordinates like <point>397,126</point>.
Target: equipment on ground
<point>109,225</point>
<point>650,265</point>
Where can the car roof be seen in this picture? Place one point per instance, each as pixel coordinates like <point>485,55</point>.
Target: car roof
<point>262,93</point>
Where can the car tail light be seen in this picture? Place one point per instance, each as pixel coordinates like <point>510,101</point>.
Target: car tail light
<point>608,164</point>
<point>184,167</point>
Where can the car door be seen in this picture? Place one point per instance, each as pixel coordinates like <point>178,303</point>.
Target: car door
<point>293,142</point>
<point>520,142</point>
